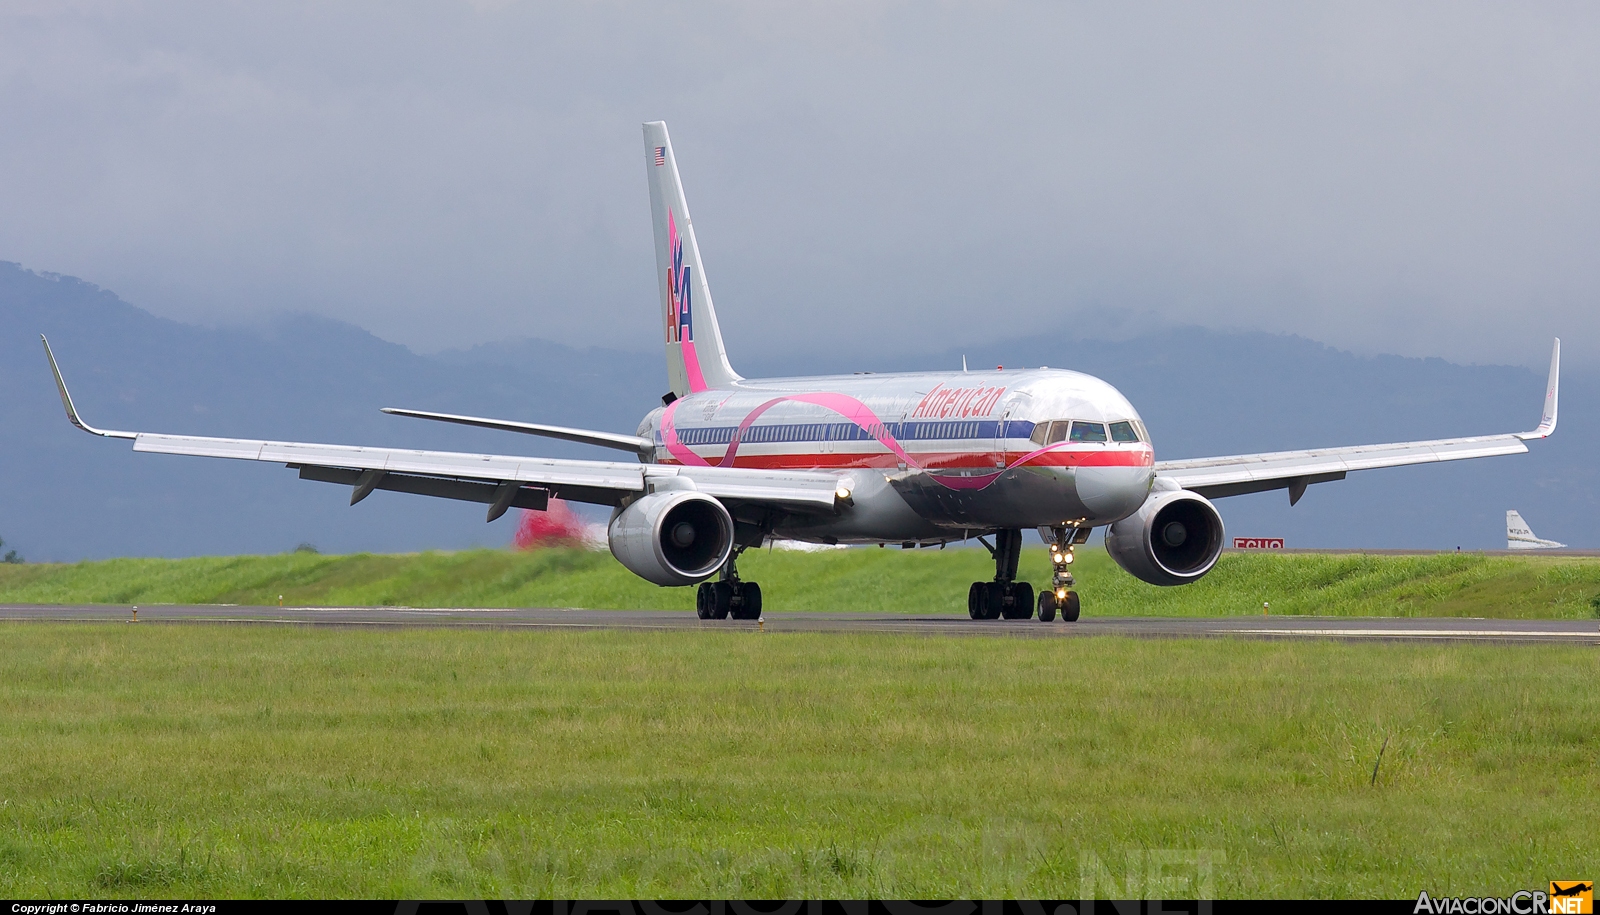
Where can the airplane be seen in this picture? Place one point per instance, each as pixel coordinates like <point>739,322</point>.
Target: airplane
<point>1518,537</point>
<point>919,459</point>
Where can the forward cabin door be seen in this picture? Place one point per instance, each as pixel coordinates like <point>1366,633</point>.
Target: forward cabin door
<point>1003,458</point>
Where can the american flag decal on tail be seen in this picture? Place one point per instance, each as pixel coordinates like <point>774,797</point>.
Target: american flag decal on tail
<point>661,155</point>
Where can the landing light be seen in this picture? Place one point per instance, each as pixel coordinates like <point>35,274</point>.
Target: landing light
<point>842,492</point>
<point>1067,559</point>
<point>1061,594</point>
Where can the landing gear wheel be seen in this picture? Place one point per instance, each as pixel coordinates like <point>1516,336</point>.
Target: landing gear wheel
<point>1016,602</point>
<point>750,601</point>
<point>978,600</point>
<point>1022,601</point>
<point>1069,607</point>
<point>722,600</point>
<point>705,601</point>
<point>1047,606</point>
<point>995,600</point>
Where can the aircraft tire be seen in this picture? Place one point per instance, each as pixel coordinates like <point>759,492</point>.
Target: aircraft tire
<point>1070,607</point>
<point>977,600</point>
<point>751,594</point>
<point>705,601</point>
<point>722,600</point>
<point>1022,608</point>
<point>994,600</point>
<point>1047,606</point>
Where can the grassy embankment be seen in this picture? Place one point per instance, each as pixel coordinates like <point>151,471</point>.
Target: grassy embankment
<point>209,761</point>
<point>870,580</point>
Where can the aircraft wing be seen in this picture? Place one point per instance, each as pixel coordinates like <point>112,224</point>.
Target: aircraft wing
<point>1238,474</point>
<point>502,481</point>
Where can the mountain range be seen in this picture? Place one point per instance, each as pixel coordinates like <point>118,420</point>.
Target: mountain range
<point>67,496</point>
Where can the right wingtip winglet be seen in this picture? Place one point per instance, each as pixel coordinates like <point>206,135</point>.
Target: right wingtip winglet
<point>66,399</point>
<point>1552,391</point>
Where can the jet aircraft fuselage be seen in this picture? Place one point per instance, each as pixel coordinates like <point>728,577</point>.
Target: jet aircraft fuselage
<point>961,451</point>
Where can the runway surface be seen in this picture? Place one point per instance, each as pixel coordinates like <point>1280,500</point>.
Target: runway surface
<point>1407,629</point>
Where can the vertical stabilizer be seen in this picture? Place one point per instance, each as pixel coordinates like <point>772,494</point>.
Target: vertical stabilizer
<point>1520,537</point>
<point>696,359</point>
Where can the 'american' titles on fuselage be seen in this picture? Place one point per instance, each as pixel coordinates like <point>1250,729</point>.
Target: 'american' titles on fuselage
<point>994,449</point>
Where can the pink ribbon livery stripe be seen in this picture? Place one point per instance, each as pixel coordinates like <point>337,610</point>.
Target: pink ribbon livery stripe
<point>862,416</point>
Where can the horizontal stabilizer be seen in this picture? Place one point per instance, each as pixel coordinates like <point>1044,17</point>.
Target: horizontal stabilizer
<point>641,446</point>
<point>502,481</point>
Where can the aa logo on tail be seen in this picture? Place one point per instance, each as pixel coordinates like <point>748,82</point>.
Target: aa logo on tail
<point>680,313</point>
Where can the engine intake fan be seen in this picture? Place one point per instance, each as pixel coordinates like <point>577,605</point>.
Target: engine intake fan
<point>672,538</point>
<point>1173,539</point>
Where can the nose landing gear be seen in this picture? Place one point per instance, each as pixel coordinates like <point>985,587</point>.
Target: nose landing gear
<point>728,596</point>
<point>1061,597</point>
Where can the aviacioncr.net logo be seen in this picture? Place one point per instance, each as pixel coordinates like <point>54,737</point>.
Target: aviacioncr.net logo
<point>1566,897</point>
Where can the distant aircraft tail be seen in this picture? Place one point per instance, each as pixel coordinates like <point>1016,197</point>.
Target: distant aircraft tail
<point>696,359</point>
<point>1519,537</point>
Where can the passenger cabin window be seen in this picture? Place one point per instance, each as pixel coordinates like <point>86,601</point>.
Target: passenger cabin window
<point>1123,432</point>
<point>1088,432</point>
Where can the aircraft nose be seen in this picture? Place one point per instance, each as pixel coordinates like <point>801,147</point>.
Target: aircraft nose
<point>1113,492</point>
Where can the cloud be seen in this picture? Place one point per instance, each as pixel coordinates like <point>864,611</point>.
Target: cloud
<point>867,176</point>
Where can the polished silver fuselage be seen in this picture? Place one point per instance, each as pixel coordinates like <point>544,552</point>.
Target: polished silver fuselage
<point>927,457</point>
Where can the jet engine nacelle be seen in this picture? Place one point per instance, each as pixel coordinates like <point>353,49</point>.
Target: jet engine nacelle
<point>677,537</point>
<point>1173,539</point>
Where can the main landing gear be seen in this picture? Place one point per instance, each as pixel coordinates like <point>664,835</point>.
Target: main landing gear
<point>1007,598</point>
<point>728,596</point>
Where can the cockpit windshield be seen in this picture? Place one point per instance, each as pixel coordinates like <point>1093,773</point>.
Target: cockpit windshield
<point>1061,430</point>
<point>1088,432</point>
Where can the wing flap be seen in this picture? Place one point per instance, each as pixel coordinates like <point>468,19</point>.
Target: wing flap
<point>604,474</point>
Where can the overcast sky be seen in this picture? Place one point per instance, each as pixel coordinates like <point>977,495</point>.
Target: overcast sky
<point>1411,178</point>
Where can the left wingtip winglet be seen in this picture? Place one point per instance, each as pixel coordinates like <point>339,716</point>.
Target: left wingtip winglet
<point>1547,419</point>
<point>66,399</point>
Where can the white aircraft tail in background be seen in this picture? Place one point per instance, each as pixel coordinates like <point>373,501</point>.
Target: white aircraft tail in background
<point>1518,537</point>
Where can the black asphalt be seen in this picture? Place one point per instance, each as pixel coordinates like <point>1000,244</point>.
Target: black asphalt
<point>1408,629</point>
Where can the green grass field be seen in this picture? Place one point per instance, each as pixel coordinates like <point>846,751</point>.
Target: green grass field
<point>213,761</point>
<point>924,581</point>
